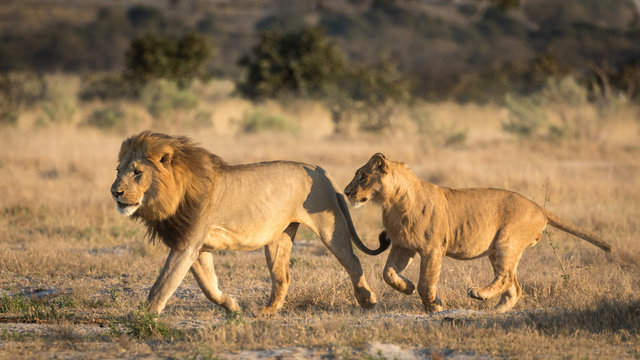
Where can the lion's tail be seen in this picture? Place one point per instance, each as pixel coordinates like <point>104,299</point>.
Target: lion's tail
<point>564,225</point>
<point>384,241</point>
<point>342,203</point>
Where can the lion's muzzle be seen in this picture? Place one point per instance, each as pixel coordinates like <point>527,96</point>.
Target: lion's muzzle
<point>125,207</point>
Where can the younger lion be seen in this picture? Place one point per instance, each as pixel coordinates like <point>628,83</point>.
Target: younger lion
<point>196,203</point>
<point>464,224</point>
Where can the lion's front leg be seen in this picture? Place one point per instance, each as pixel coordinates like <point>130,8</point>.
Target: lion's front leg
<point>399,258</point>
<point>174,270</point>
<point>204,272</point>
<point>429,273</point>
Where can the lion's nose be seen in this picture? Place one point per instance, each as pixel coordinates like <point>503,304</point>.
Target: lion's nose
<point>117,194</point>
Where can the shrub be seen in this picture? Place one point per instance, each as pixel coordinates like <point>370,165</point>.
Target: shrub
<point>559,111</point>
<point>526,117</point>
<point>144,325</point>
<point>159,57</point>
<point>18,91</point>
<point>303,63</point>
<point>306,63</point>
<point>439,134</point>
<point>107,118</point>
<point>261,120</point>
<point>375,91</point>
<point>107,87</point>
<point>60,99</point>
<point>163,98</point>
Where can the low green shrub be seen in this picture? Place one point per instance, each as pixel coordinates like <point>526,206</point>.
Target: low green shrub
<point>143,325</point>
<point>107,118</point>
<point>19,91</point>
<point>164,98</point>
<point>559,111</point>
<point>261,120</point>
<point>107,87</point>
<point>439,134</point>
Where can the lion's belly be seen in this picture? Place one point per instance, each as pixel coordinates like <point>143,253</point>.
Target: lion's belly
<point>470,245</point>
<point>469,249</point>
<point>223,238</point>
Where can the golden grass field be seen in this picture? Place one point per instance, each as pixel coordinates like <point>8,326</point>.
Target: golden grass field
<point>73,273</point>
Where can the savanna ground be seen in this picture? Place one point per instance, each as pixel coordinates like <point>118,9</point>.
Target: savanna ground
<point>73,273</point>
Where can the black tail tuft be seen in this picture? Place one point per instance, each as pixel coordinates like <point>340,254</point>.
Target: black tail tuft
<point>384,241</point>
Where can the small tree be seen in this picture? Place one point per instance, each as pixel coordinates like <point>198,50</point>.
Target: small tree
<point>301,63</point>
<point>306,63</point>
<point>374,91</point>
<point>159,57</point>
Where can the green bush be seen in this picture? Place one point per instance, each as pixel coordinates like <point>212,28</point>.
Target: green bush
<point>306,63</point>
<point>526,117</point>
<point>143,325</point>
<point>159,57</point>
<point>162,98</point>
<point>559,111</point>
<point>261,120</point>
<point>107,118</point>
<point>60,102</point>
<point>107,87</point>
<point>303,63</point>
<point>201,120</point>
<point>439,134</point>
<point>19,91</point>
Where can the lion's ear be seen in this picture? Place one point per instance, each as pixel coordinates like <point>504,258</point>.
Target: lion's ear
<point>164,156</point>
<point>378,161</point>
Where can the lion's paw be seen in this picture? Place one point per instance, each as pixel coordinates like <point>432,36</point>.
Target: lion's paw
<point>433,308</point>
<point>409,288</point>
<point>230,305</point>
<point>366,298</point>
<point>475,293</point>
<point>267,310</point>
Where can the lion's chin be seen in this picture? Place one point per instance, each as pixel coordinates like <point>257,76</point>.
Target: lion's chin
<point>357,203</point>
<point>125,209</point>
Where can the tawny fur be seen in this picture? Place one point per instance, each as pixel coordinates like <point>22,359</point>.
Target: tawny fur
<point>432,221</point>
<point>196,203</point>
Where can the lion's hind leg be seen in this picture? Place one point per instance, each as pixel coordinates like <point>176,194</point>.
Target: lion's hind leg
<point>504,262</point>
<point>510,297</point>
<point>204,272</point>
<point>333,231</point>
<point>278,254</point>
<point>398,260</point>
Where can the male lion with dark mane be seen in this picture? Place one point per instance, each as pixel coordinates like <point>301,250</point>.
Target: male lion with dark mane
<point>464,224</point>
<point>196,203</point>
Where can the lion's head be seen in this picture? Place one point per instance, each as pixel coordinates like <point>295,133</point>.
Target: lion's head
<point>367,184</point>
<point>161,180</point>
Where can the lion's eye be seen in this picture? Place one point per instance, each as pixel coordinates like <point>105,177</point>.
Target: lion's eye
<point>362,178</point>
<point>137,172</point>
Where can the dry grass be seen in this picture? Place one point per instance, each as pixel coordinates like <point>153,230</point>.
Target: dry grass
<point>60,233</point>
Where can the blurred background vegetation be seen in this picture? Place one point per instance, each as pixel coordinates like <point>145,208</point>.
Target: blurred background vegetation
<point>366,61</point>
